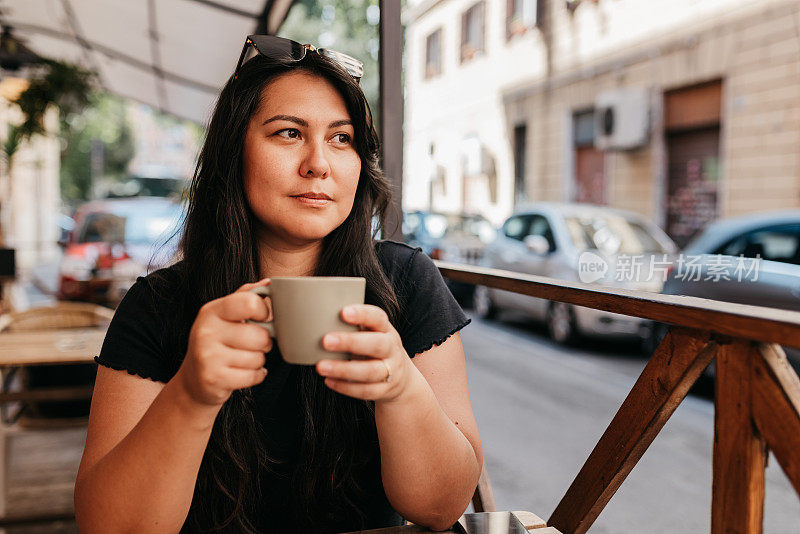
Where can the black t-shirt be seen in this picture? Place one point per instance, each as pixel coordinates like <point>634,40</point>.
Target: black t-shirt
<point>148,333</point>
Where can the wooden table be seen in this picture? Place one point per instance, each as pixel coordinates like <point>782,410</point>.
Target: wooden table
<point>477,523</point>
<point>47,347</point>
<point>19,350</point>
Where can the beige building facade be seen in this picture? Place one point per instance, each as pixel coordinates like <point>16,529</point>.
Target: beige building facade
<point>684,111</point>
<point>30,193</point>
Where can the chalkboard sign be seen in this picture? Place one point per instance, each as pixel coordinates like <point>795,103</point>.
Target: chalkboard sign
<point>7,263</point>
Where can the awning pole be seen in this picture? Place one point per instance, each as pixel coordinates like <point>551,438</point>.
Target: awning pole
<point>391,106</point>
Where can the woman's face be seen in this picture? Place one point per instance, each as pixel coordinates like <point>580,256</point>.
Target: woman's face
<point>300,142</point>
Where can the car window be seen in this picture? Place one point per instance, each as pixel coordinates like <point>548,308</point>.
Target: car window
<point>776,243</point>
<point>483,229</point>
<point>516,227</point>
<point>460,226</point>
<point>150,227</point>
<point>647,241</point>
<point>102,227</point>
<point>540,226</point>
<point>138,227</point>
<point>611,234</point>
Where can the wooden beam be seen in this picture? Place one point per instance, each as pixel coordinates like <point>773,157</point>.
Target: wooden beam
<point>776,408</point>
<point>735,320</point>
<point>529,520</point>
<point>737,499</point>
<point>391,107</point>
<point>665,381</point>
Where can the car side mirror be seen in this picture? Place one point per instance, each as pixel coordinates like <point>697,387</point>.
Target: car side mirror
<point>537,244</point>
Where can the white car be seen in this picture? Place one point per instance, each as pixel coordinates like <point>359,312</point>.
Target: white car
<point>577,243</point>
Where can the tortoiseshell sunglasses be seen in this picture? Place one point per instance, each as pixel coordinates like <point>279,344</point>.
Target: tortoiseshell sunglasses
<point>278,47</point>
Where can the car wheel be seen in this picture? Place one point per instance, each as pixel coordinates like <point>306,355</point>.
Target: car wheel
<point>561,323</point>
<point>482,302</point>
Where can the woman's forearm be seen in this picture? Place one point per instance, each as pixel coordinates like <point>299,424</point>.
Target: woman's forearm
<point>145,484</point>
<point>428,466</point>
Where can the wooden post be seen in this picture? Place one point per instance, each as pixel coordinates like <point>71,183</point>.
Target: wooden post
<point>776,408</point>
<point>737,501</point>
<point>391,104</point>
<point>665,381</point>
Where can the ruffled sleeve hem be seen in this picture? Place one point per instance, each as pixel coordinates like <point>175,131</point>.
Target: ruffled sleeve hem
<point>439,341</point>
<point>134,372</point>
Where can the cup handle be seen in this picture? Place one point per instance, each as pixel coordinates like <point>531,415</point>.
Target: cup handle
<point>263,291</point>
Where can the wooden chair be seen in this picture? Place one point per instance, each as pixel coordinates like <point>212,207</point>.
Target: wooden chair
<point>61,316</point>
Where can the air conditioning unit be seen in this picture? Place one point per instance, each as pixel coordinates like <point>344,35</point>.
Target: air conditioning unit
<point>621,119</point>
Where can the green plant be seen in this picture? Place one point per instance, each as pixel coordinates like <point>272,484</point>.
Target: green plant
<point>66,86</point>
<point>103,125</point>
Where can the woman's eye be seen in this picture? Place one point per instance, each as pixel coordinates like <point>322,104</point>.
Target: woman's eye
<point>342,138</point>
<point>289,133</point>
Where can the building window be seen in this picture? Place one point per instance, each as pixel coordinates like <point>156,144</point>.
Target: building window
<point>583,128</point>
<point>589,177</point>
<point>520,134</point>
<point>472,31</point>
<point>521,15</point>
<point>433,54</point>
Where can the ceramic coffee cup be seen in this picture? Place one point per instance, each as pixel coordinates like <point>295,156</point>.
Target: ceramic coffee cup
<point>304,309</point>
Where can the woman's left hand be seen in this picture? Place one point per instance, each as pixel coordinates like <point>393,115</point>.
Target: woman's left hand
<point>385,356</point>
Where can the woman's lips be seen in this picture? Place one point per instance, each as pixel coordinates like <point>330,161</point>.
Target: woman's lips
<point>312,202</point>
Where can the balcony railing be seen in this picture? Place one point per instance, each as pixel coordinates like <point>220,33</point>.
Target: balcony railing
<point>757,396</point>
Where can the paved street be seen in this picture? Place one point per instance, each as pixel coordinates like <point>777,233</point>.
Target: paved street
<point>541,408</point>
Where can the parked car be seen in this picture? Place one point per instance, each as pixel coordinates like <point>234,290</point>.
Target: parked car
<point>455,238</point>
<point>66,224</point>
<point>753,259</point>
<point>113,242</point>
<point>577,243</point>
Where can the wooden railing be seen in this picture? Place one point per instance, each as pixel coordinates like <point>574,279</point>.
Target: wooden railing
<point>757,396</point>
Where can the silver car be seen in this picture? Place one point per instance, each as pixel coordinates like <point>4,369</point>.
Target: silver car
<point>583,243</point>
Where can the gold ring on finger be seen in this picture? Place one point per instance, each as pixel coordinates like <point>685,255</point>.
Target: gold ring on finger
<point>388,371</point>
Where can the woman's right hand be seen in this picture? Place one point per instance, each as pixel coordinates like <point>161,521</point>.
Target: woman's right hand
<point>225,353</point>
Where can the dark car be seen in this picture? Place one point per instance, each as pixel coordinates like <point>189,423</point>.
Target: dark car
<point>113,242</point>
<point>455,238</point>
<point>753,259</point>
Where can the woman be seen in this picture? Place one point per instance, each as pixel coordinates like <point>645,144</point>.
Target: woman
<point>197,424</point>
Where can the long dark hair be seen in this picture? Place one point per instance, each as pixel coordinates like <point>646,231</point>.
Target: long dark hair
<point>220,254</point>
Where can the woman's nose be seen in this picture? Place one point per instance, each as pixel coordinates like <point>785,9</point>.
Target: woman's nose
<point>315,163</point>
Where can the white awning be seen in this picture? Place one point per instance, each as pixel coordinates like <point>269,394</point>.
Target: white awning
<point>174,55</point>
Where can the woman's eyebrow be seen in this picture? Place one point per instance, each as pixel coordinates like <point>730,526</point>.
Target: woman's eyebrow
<point>343,122</point>
<point>304,123</point>
<point>289,118</point>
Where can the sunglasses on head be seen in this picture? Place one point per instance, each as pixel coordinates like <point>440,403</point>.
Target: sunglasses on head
<point>279,48</point>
